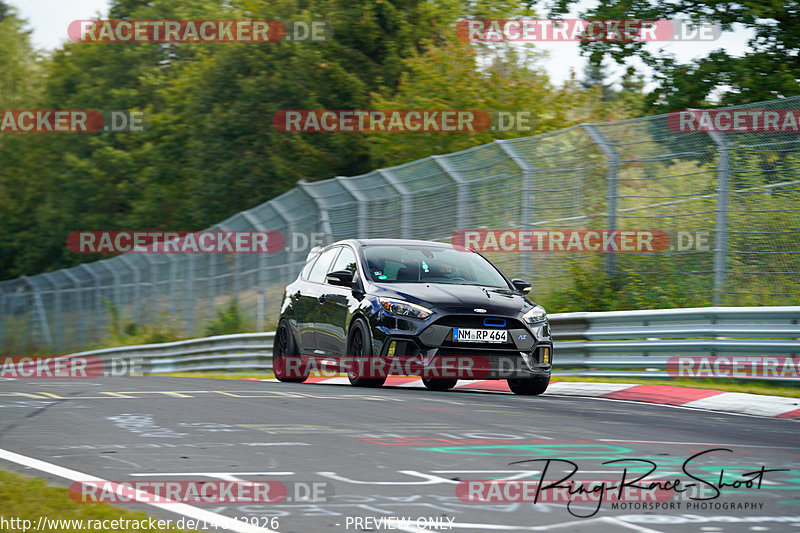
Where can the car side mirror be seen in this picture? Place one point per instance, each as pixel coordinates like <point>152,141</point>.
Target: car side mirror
<point>341,278</point>
<point>521,285</point>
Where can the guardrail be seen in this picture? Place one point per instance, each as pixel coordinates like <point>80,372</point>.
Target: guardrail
<point>616,343</point>
<point>242,351</point>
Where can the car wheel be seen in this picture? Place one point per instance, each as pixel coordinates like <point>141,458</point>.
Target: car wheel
<point>359,348</point>
<point>528,386</point>
<point>439,383</point>
<point>286,363</point>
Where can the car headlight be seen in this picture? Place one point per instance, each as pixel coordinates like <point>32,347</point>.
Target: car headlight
<point>537,314</point>
<point>401,308</point>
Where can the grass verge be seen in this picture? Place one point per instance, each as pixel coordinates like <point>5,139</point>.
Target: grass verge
<point>27,498</point>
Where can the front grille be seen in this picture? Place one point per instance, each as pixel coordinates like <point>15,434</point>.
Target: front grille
<point>482,353</point>
<point>479,322</point>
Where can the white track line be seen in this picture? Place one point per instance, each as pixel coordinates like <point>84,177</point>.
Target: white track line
<point>219,520</point>
<point>729,403</point>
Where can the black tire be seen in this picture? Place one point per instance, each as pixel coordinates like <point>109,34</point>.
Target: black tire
<point>528,386</point>
<point>439,383</point>
<point>359,348</point>
<point>285,355</point>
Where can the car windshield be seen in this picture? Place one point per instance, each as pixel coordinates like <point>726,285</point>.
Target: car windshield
<point>423,264</point>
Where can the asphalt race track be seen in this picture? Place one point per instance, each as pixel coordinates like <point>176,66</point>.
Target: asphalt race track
<point>373,454</point>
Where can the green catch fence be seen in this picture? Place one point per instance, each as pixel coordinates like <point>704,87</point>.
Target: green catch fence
<point>729,203</point>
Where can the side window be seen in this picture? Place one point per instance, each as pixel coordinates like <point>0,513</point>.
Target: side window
<point>320,268</point>
<point>307,269</point>
<point>345,261</point>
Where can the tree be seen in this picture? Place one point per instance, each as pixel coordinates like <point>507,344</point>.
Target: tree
<point>769,70</point>
<point>209,149</point>
<point>20,74</point>
<point>451,77</point>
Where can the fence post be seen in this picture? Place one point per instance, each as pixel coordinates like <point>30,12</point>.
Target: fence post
<point>260,303</point>
<point>528,197</point>
<point>153,266</point>
<point>212,280</point>
<point>137,294</point>
<point>115,301</point>
<point>361,200</point>
<point>321,204</point>
<point>190,259</point>
<point>234,268</point>
<point>58,323</point>
<point>173,282</point>
<point>78,297</point>
<point>721,229</point>
<point>611,186</point>
<point>97,303</point>
<point>405,201</point>
<point>3,315</point>
<point>38,309</point>
<point>262,270</point>
<point>290,228</point>
<point>461,190</point>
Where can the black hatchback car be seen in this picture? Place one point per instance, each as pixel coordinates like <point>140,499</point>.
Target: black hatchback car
<point>377,307</point>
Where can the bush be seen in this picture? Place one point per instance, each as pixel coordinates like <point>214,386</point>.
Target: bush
<point>229,320</point>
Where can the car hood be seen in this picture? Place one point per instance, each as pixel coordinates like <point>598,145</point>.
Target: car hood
<point>442,295</point>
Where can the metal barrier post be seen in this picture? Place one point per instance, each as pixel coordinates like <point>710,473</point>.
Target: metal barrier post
<point>361,200</point>
<point>721,223</point>
<point>461,190</point>
<point>405,201</point>
<point>97,302</point>
<point>321,204</point>
<point>527,200</point>
<point>58,323</point>
<point>78,298</point>
<point>262,270</point>
<point>611,186</point>
<point>137,295</point>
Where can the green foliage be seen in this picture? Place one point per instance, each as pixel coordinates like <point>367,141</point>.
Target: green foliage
<point>130,333</point>
<point>768,70</point>
<point>27,498</point>
<point>229,320</point>
<point>209,149</point>
<point>20,73</point>
<point>456,76</point>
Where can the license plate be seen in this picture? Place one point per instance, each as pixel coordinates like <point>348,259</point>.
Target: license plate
<point>480,335</point>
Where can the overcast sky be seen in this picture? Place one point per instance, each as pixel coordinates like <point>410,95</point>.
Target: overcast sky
<point>49,20</point>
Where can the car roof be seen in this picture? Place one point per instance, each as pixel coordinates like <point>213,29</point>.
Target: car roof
<point>395,242</point>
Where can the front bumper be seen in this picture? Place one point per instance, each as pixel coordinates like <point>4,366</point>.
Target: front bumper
<point>431,350</point>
